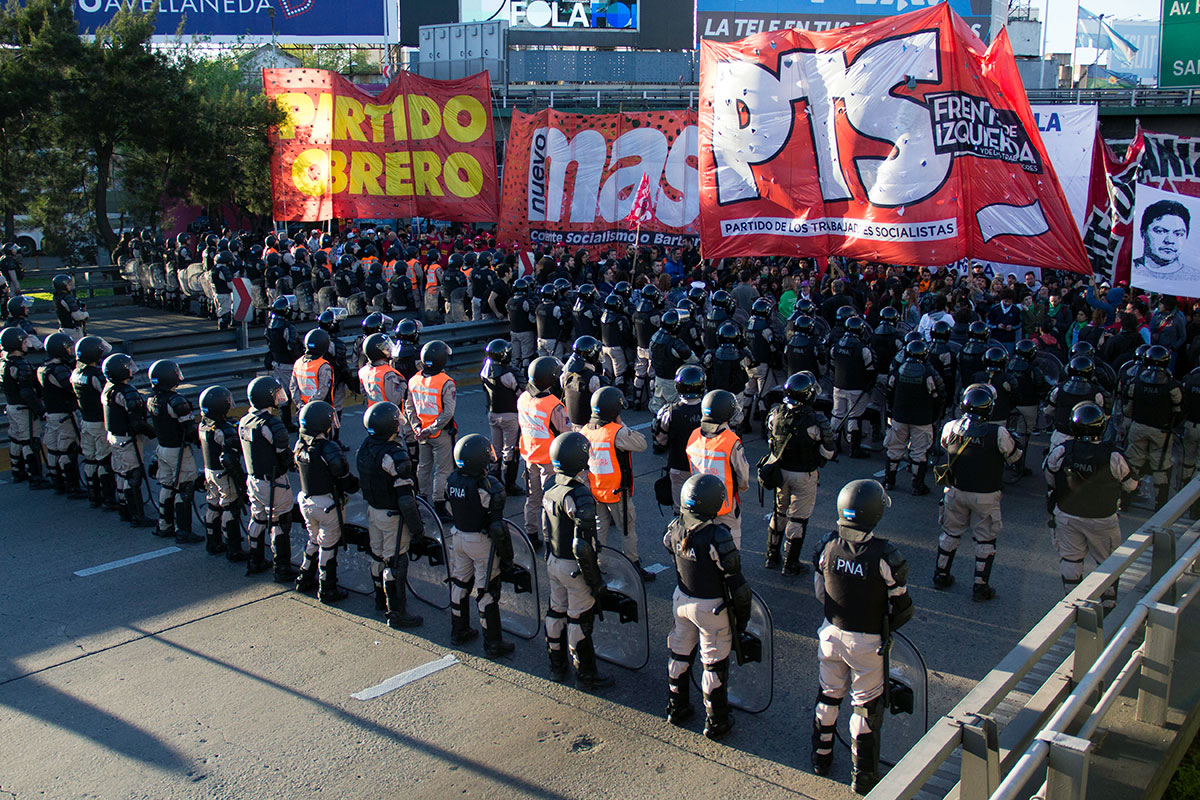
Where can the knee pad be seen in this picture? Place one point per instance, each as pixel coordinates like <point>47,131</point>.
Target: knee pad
<point>827,708</point>
<point>985,548</point>
<point>716,675</point>
<point>867,718</point>
<point>1071,571</point>
<point>327,555</point>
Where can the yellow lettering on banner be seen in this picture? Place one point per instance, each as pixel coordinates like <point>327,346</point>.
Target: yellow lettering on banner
<point>301,112</point>
<point>476,123</point>
<point>337,172</point>
<point>424,117</point>
<point>399,122</point>
<point>426,168</point>
<point>467,184</point>
<point>348,119</point>
<point>314,172</point>
<point>378,117</point>
<point>365,171</point>
<point>399,174</point>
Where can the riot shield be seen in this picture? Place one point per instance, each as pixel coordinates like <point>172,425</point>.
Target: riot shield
<point>622,637</point>
<point>258,296</point>
<point>1106,376</point>
<point>824,401</point>
<point>752,682</point>
<point>157,275</point>
<point>1051,367</point>
<point>520,595</point>
<point>189,280</point>
<point>429,561</point>
<point>1018,428</point>
<point>326,298</point>
<point>820,327</point>
<point>356,304</point>
<point>908,692</point>
<point>354,559</point>
<point>130,270</point>
<point>304,297</point>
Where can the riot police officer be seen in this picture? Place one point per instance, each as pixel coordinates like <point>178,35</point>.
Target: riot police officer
<point>522,324</point>
<point>710,606</point>
<point>1030,382</point>
<point>861,580</point>
<point>407,350</point>
<point>675,423</point>
<point>1191,429</point>
<point>284,347</point>
<point>61,431</point>
<point>617,340</point>
<point>393,519</point>
<point>804,352</point>
<point>726,367</point>
<point>481,281</point>
<point>18,317</point>
<point>87,381</point>
<point>1087,476</point>
<point>691,312</point>
<point>977,451</point>
<point>312,374</point>
<point>432,400</point>
<point>175,430</point>
<point>550,322</point>
<point>25,409</point>
<point>581,378</point>
<point>1154,404</point>
<point>373,323</point>
<point>72,317</point>
<point>714,449</point>
<point>943,356</point>
<point>482,544</point>
<point>325,480</point>
<point>647,316</point>
<point>853,379</point>
<point>801,442</point>
<point>763,352</point>
<point>719,312</point>
<point>542,417</point>
<point>501,387</point>
<point>1080,386</point>
<point>970,358</point>
<point>340,359</point>
<point>995,374</point>
<point>268,459</point>
<point>382,382</point>
<point>576,585</point>
<point>915,395</point>
<point>886,342</point>
<point>586,313</point>
<point>125,424</point>
<point>224,475</point>
<point>222,281</point>
<point>668,352</point>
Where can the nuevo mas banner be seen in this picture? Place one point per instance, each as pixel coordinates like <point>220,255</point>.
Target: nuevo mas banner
<point>421,147</point>
<point>903,141</point>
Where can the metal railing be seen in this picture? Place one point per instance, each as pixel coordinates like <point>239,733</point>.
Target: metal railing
<point>999,763</point>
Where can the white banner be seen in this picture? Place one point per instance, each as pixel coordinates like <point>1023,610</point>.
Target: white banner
<point>1069,132</point>
<point>1165,257</point>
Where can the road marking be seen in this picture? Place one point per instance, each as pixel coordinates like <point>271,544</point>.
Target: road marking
<point>642,426</point>
<point>654,569</point>
<point>404,678</point>
<point>125,562</point>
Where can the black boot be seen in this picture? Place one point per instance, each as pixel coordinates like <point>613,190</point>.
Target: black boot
<point>494,643</point>
<point>19,474</point>
<point>511,488</point>
<point>856,449</point>
<point>1161,492</point>
<point>108,491</point>
<point>183,520</point>
<point>397,599</point>
<point>647,577</point>
<point>137,508</point>
<point>716,703</point>
<point>919,489</point>
<point>257,562</point>
<point>679,701</point>
<point>982,591</point>
<point>587,676</point>
<point>71,479</point>
<point>233,537</point>
<point>33,463</point>
<point>95,498</point>
<point>774,540</point>
<point>864,750</point>
<point>166,520</point>
<point>792,565</point>
<point>556,650</point>
<point>57,479</point>
<point>889,475</point>
<point>380,600</point>
<point>306,580</point>
<point>942,579</point>
<point>213,544</point>
<point>282,547</point>
<point>822,747</point>
<point>327,589</point>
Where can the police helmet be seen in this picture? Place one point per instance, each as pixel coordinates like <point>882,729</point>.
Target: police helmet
<point>408,330</point>
<point>499,350</point>
<point>978,400</point>
<point>521,286</point>
<point>1140,354</point>
<point>718,407</point>
<point>623,289</point>
<point>473,454</point>
<point>978,331</point>
<point>723,300</point>
<point>569,453</point>
<point>316,343</point>
<point>455,261</point>
<point>377,347</point>
<point>1081,367</point>
<point>18,307</point>
<point>697,294</point>
<point>216,403</point>
<point>266,392</point>
<point>329,321</point>
<point>800,389</point>
<point>845,313</point>
<point>805,325</point>
<point>382,420</point>
<point>587,348</point>
<point>702,496</point>
<point>211,240</point>
<point>60,345</point>
<point>373,323</point>
<point>941,330</point>
<point>861,504</point>
<point>762,307</point>
<point>729,333</point>
<point>1088,421</point>
<point>1156,356</point>
<point>119,368</point>
<point>561,287</point>
<point>273,260</point>
<point>607,404</point>
<point>164,374</point>
<point>650,294</point>
<point>63,283</point>
<point>690,380</point>
<point>316,418</point>
<point>614,302</point>
<point>1083,349</point>
<point>1026,349</point>
<point>806,307</point>
<point>91,350</point>
<point>587,292</point>
<point>889,314</point>
<point>12,340</point>
<point>434,356</point>
<point>856,326</point>
<point>543,372</point>
<point>547,293</point>
<point>995,359</point>
<point>917,350</point>
<point>281,308</point>
<point>670,320</point>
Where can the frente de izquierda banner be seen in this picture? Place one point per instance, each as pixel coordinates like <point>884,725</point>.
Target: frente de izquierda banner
<point>421,147</point>
<point>904,141</point>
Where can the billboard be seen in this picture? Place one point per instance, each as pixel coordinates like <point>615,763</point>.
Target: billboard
<point>727,20</point>
<point>573,177</point>
<point>301,21</point>
<point>1142,34</point>
<point>902,141</point>
<point>606,15</point>
<point>1179,57</point>
<point>421,147</point>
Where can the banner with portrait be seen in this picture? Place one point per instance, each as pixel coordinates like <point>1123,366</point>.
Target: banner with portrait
<point>1166,257</point>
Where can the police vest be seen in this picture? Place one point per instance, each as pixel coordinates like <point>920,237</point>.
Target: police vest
<point>426,391</point>
<point>312,462</point>
<point>14,372</point>
<point>406,360</point>
<point>90,407</point>
<point>1026,384</point>
<point>1151,399</point>
<point>534,418</point>
<point>685,419</point>
<point>856,597</point>
<point>609,469</point>
<point>211,450</point>
<point>645,323</point>
<point>712,455</point>
<point>469,513</point>
<point>549,326</point>
<point>849,367</point>
<point>118,418</point>
<point>801,354</point>
<point>613,327</point>
<point>263,459</point>
<point>432,273</point>
<point>584,315</point>
<point>725,371</point>
<point>1084,485</point>
<point>279,342</point>
<point>885,342</point>
<point>167,428</point>
<point>912,403</point>
<point>1070,394</point>
<point>970,360</point>
<point>375,381</point>
<point>577,392</point>
<point>379,487</point>
<point>307,373</point>
<point>760,345</point>
<point>700,575</point>
<point>713,321</point>
<point>975,454</point>
<point>501,399</point>
<point>945,362</point>
<point>56,388</point>
<point>561,526</point>
<point>664,355</point>
<point>64,306</point>
<point>1191,398</point>
<point>803,453</point>
<point>519,320</point>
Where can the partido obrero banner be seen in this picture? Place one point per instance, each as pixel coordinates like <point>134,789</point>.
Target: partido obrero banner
<point>421,147</point>
<point>904,141</point>
<point>573,177</point>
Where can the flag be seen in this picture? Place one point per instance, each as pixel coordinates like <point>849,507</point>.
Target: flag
<point>641,211</point>
<point>1087,29</point>
<point>1111,40</point>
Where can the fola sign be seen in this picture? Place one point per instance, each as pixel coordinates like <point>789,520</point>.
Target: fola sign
<point>574,14</point>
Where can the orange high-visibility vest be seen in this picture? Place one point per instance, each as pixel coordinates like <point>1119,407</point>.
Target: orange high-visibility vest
<point>373,385</point>
<point>308,378</point>
<point>426,393</point>
<point>607,466</point>
<point>431,278</point>
<point>713,456</point>
<point>389,270</point>
<point>533,415</point>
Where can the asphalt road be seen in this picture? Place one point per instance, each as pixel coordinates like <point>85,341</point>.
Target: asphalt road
<point>177,676</point>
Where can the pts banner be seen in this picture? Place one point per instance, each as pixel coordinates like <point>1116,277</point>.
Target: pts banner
<point>902,141</point>
<point>573,177</point>
<point>421,147</point>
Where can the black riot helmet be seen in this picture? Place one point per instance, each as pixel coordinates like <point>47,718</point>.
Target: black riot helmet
<point>916,350</point>
<point>569,453</point>
<point>1088,421</point>
<point>689,380</point>
<point>216,402</point>
<point>995,359</point>
<point>18,307</point>
<point>1084,349</point>
<point>1026,349</point>
<point>729,333</point>
<point>321,259</point>
<point>861,504</point>
<point>282,308</point>
<point>91,350</point>
<point>845,313</point>
<point>329,321</point>
<point>670,320</point>
<point>805,307</point>
<point>12,340</point>
<point>587,292</point>
<point>912,336</point>
<point>977,331</point>
<point>762,307</point>
<point>718,407</point>
<point>650,294</point>
<point>211,240</point>
<point>702,496</point>
<point>623,290</point>
<point>164,374</point>
<point>697,294</point>
<point>373,323</point>
<point>561,287</point>
<point>587,348</point>
<point>382,420</point>
<point>1139,355</point>
<point>473,455</point>
<point>434,356</point>
<point>856,326</point>
<point>266,392</point>
<point>59,345</point>
<point>377,347</point>
<point>806,325</point>
<point>119,368</point>
<point>1157,356</point>
<point>978,400</point>
<point>607,404</point>
<point>941,330</point>
<point>723,300</point>
<point>521,286</point>
<point>63,283</point>
<point>544,372</point>
<point>889,314</point>
<point>408,331</point>
<point>499,350</point>
<point>614,302</point>
<point>316,343</point>
<point>316,418</point>
<point>800,389</point>
<point>1081,367</point>
<point>547,294</point>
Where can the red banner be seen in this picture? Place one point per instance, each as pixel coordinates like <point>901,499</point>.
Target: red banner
<point>574,176</point>
<point>420,148</point>
<point>903,141</point>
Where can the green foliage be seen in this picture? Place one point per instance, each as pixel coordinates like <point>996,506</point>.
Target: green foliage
<point>1185,785</point>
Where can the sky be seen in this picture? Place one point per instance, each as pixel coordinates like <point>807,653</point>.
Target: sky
<point>1060,30</point>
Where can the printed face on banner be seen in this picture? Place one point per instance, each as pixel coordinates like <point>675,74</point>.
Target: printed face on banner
<point>898,141</point>
<point>1165,258</point>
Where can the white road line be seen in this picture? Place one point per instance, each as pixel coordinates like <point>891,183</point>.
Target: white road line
<point>642,426</point>
<point>414,674</point>
<point>654,569</point>
<point>125,562</point>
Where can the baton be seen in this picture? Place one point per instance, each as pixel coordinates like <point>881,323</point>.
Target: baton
<point>137,452</point>
<point>885,650</point>
<point>733,622</point>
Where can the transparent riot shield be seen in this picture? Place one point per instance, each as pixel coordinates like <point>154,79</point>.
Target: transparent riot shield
<point>1051,367</point>
<point>622,637</point>
<point>907,719</point>
<point>429,560</point>
<point>354,559</point>
<point>357,304</point>
<point>326,298</point>
<point>157,276</point>
<point>520,595</point>
<point>1018,428</point>
<point>752,675</point>
<point>304,298</point>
